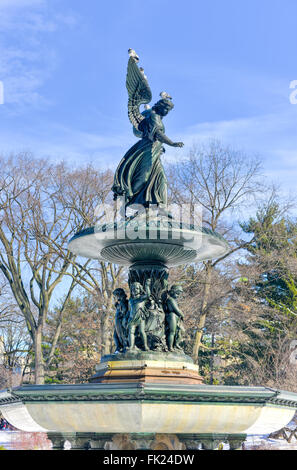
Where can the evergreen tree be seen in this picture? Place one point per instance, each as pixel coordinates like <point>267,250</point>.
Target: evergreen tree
<point>266,300</point>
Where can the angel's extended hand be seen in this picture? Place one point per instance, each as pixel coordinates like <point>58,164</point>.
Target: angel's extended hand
<point>178,144</point>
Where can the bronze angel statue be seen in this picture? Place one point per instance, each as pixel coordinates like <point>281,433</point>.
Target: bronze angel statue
<point>140,176</point>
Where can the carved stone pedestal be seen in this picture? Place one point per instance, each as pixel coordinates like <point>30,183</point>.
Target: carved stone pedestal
<point>212,441</point>
<point>145,441</point>
<point>147,367</point>
<point>79,440</point>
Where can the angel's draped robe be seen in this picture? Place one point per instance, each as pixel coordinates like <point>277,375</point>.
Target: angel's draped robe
<point>140,176</point>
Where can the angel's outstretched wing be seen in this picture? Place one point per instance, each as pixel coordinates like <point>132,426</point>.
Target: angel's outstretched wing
<point>139,92</point>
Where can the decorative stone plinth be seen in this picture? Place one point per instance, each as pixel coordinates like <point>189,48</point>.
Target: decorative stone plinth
<point>147,367</point>
<point>58,440</point>
<point>144,441</point>
<point>93,441</point>
<point>212,441</point>
<point>79,440</point>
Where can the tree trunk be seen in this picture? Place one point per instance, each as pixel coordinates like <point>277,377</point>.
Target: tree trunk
<point>212,358</point>
<point>106,334</point>
<point>203,311</point>
<point>39,364</point>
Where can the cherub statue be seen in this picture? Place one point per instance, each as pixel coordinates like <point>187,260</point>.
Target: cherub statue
<point>138,313</point>
<point>140,176</point>
<point>121,319</point>
<point>173,318</point>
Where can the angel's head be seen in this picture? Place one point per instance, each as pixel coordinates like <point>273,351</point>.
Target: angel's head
<point>163,106</point>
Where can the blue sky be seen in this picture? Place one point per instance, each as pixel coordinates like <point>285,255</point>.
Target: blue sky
<point>228,65</point>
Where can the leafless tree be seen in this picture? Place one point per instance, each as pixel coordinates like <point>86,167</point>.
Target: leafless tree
<point>15,346</point>
<point>87,193</point>
<point>35,229</point>
<point>220,180</point>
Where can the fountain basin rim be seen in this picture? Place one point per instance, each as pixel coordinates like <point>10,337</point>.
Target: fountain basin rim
<point>195,393</point>
<point>174,248</point>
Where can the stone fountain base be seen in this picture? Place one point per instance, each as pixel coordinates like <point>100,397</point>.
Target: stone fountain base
<point>141,415</point>
<point>148,399</point>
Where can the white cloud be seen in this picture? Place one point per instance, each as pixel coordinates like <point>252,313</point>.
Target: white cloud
<point>271,136</point>
<point>26,61</point>
<point>274,133</point>
<point>62,143</point>
<point>13,4</point>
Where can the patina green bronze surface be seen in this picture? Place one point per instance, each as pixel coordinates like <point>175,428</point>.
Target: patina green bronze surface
<point>151,240</point>
<point>140,176</point>
<point>126,242</point>
<point>173,356</point>
<point>151,320</point>
<point>174,318</point>
<point>121,320</point>
<point>150,278</point>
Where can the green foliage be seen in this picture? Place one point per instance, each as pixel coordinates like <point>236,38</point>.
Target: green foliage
<point>76,352</point>
<point>252,344</point>
<point>270,231</point>
<point>270,298</point>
